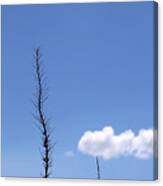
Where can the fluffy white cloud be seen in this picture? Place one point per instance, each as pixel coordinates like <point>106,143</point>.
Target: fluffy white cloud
<point>107,144</point>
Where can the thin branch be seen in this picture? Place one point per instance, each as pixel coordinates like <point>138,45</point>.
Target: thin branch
<point>41,117</point>
<point>98,168</point>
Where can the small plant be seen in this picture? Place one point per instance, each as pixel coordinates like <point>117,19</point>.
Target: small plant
<point>98,168</point>
<point>41,97</point>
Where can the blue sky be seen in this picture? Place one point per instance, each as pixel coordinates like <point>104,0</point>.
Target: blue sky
<point>99,65</point>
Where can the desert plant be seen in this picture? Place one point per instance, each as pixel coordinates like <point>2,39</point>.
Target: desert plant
<point>43,123</point>
<point>98,168</point>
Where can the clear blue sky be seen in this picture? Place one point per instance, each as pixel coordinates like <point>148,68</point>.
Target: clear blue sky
<point>99,66</point>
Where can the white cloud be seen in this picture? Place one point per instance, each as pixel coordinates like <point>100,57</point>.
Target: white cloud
<point>108,145</point>
<point>69,154</point>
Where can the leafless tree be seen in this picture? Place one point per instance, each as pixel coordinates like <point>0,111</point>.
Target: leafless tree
<point>98,168</point>
<point>43,123</point>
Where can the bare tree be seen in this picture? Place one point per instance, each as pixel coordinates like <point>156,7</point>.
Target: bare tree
<point>98,168</point>
<point>40,98</point>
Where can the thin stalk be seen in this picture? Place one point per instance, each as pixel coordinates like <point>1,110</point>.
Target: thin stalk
<point>43,124</point>
<point>98,168</point>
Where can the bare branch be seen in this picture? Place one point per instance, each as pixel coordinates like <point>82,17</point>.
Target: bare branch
<point>98,168</point>
<point>41,97</point>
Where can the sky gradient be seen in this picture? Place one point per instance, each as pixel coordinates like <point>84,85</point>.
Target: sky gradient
<point>98,61</point>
